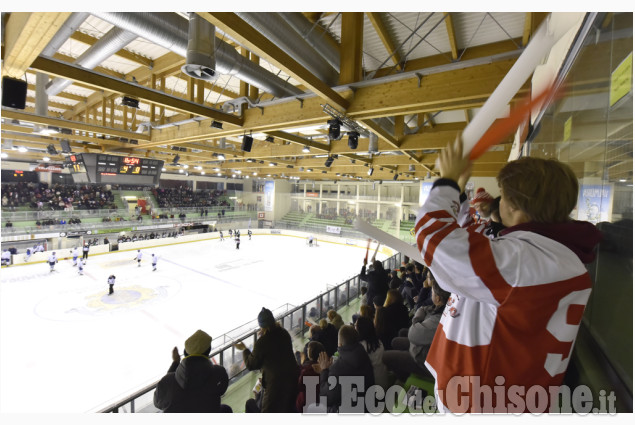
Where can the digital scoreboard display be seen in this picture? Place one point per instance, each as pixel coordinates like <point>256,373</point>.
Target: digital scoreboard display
<point>104,168</point>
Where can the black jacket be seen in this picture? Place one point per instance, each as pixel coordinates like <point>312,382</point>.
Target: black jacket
<point>389,321</point>
<point>377,283</point>
<point>194,385</point>
<point>273,354</point>
<point>352,361</point>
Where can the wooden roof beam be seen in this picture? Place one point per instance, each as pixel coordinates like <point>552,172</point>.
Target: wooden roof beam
<point>449,25</point>
<point>25,36</point>
<point>100,81</point>
<point>385,37</point>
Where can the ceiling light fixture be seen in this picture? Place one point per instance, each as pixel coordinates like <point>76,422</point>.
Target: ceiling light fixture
<point>353,139</point>
<point>306,149</point>
<point>22,149</point>
<point>221,157</point>
<point>334,129</point>
<point>46,159</point>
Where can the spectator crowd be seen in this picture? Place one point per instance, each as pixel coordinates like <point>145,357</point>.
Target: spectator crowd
<point>56,197</point>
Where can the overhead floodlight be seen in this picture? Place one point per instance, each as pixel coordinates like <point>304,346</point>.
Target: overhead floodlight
<point>221,157</point>
<point>373,142</point>
<point>130,101</point>
<point>51,149</point>
<point>334,129</point>
<point>22,149</point>
<point>306,149</point>
<point>176,159</point>
<point>46,159</point>
<point>353,138</point>
<point>370,171</point>
<point>217,124</point>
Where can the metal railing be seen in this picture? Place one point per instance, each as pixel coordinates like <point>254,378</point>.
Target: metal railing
<point>295,320</point>
<point>16,216</point>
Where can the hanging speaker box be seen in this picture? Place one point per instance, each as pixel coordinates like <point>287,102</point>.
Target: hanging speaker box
<point>13,93</point>
<point>247,142</point>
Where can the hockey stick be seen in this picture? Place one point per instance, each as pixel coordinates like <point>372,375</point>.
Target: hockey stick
<point>386,239</point>
<point>376,249</point>
<point>367,249</point>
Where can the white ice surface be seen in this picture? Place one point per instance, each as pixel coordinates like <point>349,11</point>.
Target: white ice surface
<point>65,346</point>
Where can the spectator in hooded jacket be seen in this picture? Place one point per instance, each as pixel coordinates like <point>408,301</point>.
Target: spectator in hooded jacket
<point>353,364</point>
<point>273,354</point>
<point>409,354</point>
<point>377,280</point>
<point>194,384</point>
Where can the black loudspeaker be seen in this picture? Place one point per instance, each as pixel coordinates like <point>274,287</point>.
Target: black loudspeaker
<point>13,93</point>
<point>66,146</point>
<point>247,142</point>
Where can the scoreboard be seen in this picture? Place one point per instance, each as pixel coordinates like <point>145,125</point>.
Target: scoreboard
<point>104,168</point>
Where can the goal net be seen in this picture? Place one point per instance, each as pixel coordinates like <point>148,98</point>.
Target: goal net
<point>315,242</point>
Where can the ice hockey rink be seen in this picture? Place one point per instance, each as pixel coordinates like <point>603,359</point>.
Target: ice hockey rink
<point>66,346</point>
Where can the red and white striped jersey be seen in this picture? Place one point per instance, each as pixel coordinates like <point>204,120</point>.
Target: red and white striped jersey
<point>516,304</point>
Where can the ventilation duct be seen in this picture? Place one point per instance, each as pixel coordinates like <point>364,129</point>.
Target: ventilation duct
<point>314,37</point>
<point>171,31</point>
<point>41,98</point>
<point>114,40</point>
<point>199,61</point>
<point>71,25</point>
<point>373,142</point>
<point>275,28</point>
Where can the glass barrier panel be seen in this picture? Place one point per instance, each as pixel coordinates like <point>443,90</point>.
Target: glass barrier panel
<point>313,310</point>
<point>296,322</point>
<point>326,303</point>
<point>145,401</point>
<point>233,361</point>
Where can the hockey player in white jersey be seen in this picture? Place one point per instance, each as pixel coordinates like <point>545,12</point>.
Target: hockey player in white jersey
<point>138,258</point>
<point>80,269</point>
<point>75,254</point>
<point>155,259</point>
<point>6,257</point>
<point>52,260</point>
